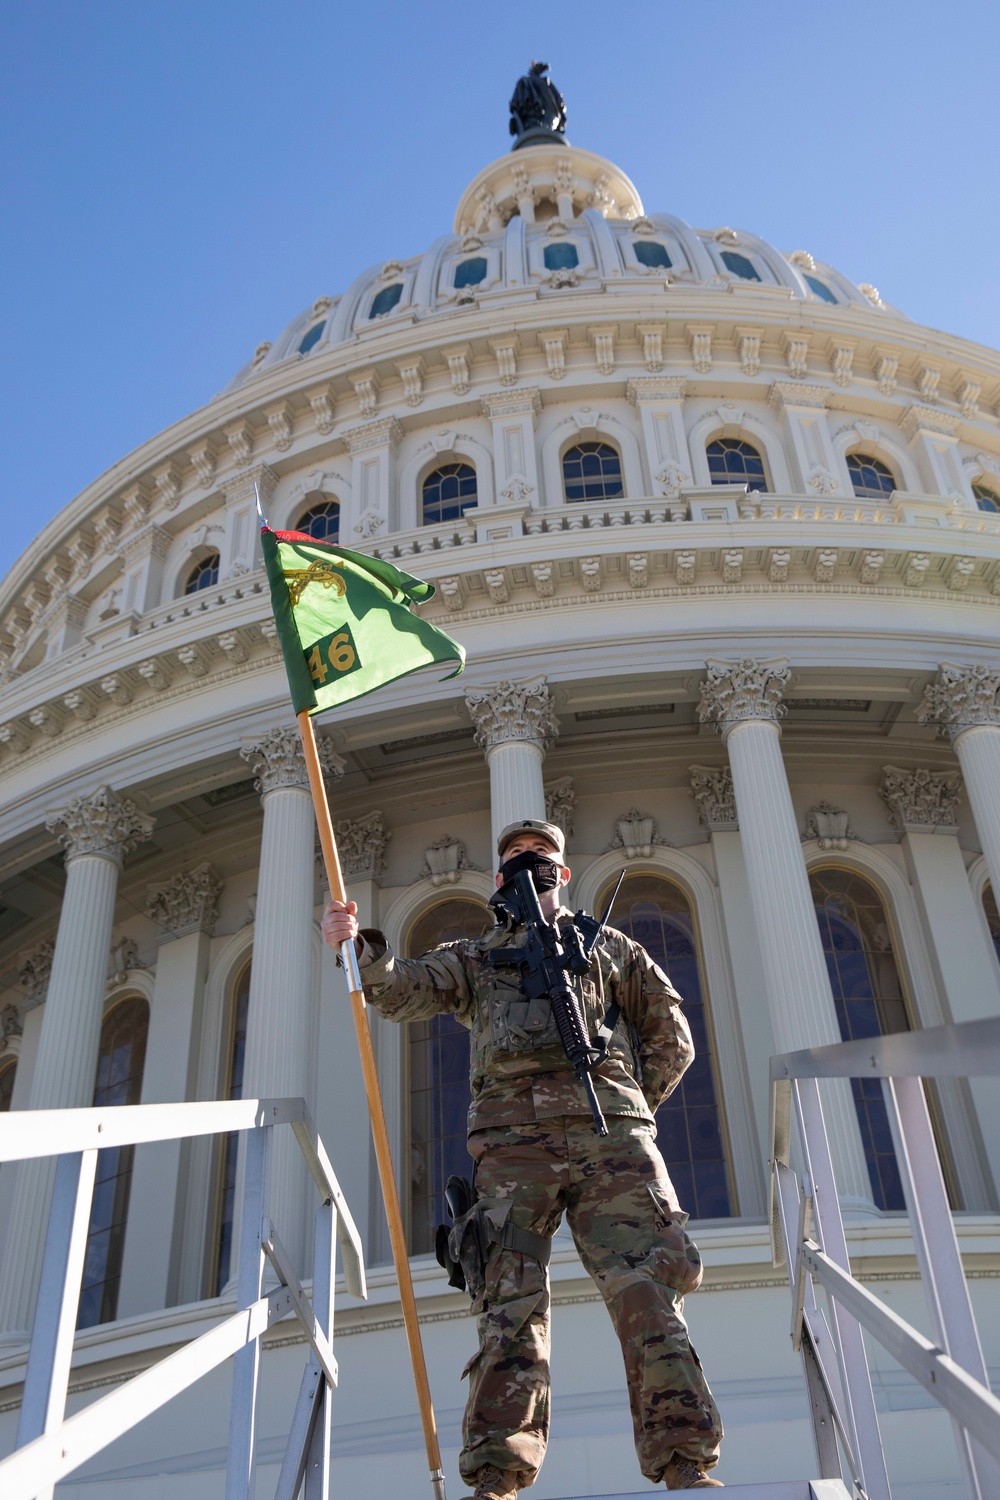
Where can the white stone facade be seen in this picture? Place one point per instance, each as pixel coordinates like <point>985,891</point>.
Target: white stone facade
<point>841,644</point>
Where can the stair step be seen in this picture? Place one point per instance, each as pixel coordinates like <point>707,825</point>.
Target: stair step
<point>785,1489</point>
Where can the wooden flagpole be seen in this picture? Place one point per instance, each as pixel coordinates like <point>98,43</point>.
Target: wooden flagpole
<point>380,1134</point>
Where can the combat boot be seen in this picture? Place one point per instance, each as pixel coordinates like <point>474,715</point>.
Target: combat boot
<point>685,1474</point>
<point>495,1484</point>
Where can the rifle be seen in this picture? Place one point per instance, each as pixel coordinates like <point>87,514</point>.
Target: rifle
<point>546,960</point>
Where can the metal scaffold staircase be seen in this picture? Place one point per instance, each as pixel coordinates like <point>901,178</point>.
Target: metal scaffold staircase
<point>50,1445</point>
<point>807,1234</point>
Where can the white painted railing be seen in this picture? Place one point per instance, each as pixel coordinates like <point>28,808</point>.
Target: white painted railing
<point>50,1446</point>
<point>807,1235</point>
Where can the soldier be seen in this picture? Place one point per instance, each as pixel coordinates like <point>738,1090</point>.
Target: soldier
<point>537,1155</point>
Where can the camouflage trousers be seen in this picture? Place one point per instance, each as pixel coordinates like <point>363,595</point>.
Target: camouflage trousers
<point>628,1228</point>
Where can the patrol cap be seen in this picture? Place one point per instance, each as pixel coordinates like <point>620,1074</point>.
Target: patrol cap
<point>550,831</point>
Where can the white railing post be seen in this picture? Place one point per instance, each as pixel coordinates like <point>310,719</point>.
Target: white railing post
<point>859,1400</point>
<point>241,1461</point>
<point>939,1260</point>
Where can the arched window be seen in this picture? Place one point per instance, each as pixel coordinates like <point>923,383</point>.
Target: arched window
<point>656,913</point>
<point>986,498</point>
<point>439,1080</point>
<point>871,478</point>
<point>7,1085</point>
<point>740,265</point>
<point>204,574</point>
<point>820,289</point>
<point>232,1088</point>
<point>312,338</point>
<point>321,520</point>
<point>734,461</point>
<point>470,272</point>
<point>992,918</point>
<point>560,256</point>
<point>120,1063</point>
<point>447,493</point>
<point>385,300</point>
<point>592,472</point>
<point>868,994</point>
<point>650,253</point>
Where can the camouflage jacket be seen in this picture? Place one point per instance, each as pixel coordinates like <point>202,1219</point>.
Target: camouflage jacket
<point>518,1069</point>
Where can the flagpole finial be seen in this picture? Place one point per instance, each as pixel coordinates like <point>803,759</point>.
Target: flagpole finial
<point>260,508</point>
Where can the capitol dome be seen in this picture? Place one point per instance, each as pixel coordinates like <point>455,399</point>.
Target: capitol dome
<point>720,532</point>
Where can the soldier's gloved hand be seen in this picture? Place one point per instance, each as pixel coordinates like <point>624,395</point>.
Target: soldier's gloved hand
<point>340,924</point>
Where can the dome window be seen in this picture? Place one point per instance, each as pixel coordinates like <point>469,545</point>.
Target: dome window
<point>740,265</point>
<point>871,478</point>
<point>470,272</point>
<point>312,338</point>
<point>384,301</point>
<point>733,461</point>
<point>321,521</point>
<point>592,472</point>
<point>204,574</point>
<point>986,498</point>
<point>448,492</point>
<point>820,289</point>
<point>649,253</point>
<point>560,257</point>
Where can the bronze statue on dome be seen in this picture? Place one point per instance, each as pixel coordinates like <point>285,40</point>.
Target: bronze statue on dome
<point>537,110</point>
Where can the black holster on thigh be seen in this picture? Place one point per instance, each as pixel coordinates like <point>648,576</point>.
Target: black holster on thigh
<point>478,1224</point>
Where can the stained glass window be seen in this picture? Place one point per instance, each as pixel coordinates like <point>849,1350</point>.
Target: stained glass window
<point>869,999</point>
<point>649,253</point>
<point>439,1081</point>
<point>992,916</point>
<point>471,272</point>
<point>560,256</point>
<point>592,472</point>
<point>120,1063</point>
<point>385,300</point>
<point>871,478</point>
<point>321,520</point>
<point>232,1088</point>
<point>733,461</point>
<point>740,265</point>
<point>448,493</point>
<point>986,498</point>
<point>312,338</point>
<point>657,914</point>
<point>821,289</point>
<point>204,574</point>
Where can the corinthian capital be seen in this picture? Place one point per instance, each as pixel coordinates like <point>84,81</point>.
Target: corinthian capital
<point>102,823</point>
<point>187,903</point>
<point>961,698</point>
<point>747,689</point>
<point>276,759</point>
<point>921,799</point>
<point>712,789</point>
<point>511,711</point>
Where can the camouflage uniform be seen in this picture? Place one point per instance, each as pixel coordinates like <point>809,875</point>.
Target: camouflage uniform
<point>532,1137</point>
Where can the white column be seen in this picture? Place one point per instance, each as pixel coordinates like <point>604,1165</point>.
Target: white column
<point>922,804</point>
<point>802,409</point>
<point>965,702</point>
<point>515,724</point>
<point>744,699</point>
<point>185,909</point>
<point>97,831</point>
<point>239,549</point>
<point>373,448</point>
<point>933,436</point>
<point>659,403</point>
<point>279,1020</point>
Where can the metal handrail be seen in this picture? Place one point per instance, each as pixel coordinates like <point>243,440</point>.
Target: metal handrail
<point>807,1236</point>
<point>49,1445</point>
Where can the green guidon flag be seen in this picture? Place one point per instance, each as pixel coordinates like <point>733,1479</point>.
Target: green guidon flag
<point>344,621</point>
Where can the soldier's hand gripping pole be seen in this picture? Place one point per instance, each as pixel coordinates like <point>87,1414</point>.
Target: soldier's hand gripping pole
<point>380,1133</point>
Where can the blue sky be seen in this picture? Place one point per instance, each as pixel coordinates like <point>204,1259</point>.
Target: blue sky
<point>179,179</point>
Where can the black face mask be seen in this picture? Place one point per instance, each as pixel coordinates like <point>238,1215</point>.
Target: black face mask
<point>544,872</point>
